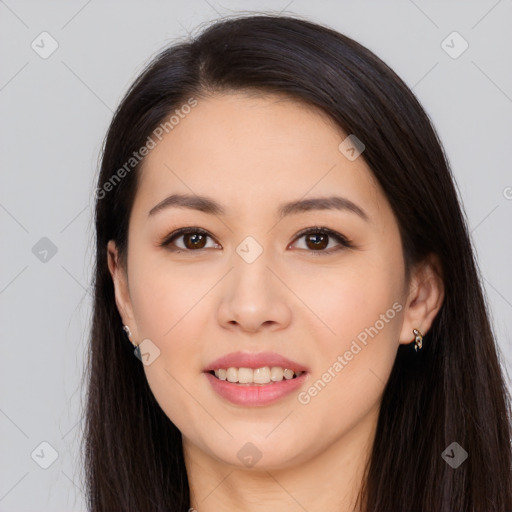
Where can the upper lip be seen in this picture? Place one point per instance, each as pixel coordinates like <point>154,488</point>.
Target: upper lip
<point>254,360</point>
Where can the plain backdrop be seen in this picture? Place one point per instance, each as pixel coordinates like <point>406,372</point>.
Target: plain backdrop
<point>55,109</point>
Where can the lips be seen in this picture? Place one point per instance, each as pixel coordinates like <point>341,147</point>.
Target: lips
<point>251,395</point>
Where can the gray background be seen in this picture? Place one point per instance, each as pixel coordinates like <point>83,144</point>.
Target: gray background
<point>55,112</point>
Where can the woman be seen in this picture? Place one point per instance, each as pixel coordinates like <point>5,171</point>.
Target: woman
<point>279,237</point>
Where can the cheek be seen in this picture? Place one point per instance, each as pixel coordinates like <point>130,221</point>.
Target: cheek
<point>168,312</point>
<point>354,364</point>
<point>164,296</point>
<point>355,331</point>
<point>346,301</point>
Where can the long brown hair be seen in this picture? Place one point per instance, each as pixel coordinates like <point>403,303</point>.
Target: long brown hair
<point>453,390</point>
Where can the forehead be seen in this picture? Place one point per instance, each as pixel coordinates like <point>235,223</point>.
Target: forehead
<point>257,150</point>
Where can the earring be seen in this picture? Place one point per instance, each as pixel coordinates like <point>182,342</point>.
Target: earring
<point>418,341</point>
<point>137,349</point>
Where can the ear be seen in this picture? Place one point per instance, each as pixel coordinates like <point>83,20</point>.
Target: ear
<point>122,294</point>
<point>426,294</point>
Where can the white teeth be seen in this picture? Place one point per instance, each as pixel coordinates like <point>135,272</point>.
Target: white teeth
<point>263,375</point>
<point>288,374</point>
<point>245,375</point>
<point>232,375</point>
<point>276,373</point>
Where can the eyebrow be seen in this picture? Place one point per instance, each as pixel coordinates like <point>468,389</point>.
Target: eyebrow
<point>210,206</point>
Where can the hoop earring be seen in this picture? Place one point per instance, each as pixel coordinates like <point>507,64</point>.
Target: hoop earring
<point>127,330</point>
<point>418,341</point>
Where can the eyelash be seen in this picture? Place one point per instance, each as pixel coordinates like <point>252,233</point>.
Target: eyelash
<point>342,240</point>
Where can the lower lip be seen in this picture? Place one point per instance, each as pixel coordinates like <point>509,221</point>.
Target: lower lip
<point>255,395</point>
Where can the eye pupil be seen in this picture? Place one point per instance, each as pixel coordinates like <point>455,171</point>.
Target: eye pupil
<point>198,240</point>
<point>320,240</point>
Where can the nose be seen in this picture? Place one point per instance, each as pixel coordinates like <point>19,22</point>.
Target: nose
<point>252,298</point>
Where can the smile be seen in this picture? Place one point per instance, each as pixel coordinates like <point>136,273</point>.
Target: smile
<point>251,394</point>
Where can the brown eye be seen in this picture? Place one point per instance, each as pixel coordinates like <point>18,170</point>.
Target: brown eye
<point>194,240</point>
<point>187,239</point>
<point>319,240</point>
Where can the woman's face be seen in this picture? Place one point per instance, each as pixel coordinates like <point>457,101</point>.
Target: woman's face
<point>249,282</point>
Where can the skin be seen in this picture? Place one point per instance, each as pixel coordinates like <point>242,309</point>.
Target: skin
<point>251,153</point>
